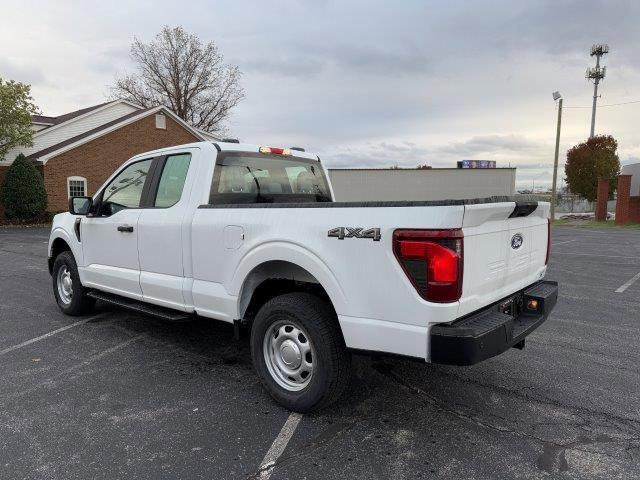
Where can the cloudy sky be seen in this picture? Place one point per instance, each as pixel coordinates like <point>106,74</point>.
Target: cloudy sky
<point>364,83</point>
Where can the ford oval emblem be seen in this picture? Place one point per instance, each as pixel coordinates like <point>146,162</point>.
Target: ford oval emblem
<point>517,241</point>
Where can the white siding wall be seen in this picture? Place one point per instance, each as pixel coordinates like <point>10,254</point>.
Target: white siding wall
<point>11,155</point>
<point>57,134</point>
<point>431,184</point>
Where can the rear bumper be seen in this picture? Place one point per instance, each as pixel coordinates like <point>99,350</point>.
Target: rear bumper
<point>489,332</point>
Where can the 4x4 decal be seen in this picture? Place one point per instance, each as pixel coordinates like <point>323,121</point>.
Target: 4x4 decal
<point>355,232</point>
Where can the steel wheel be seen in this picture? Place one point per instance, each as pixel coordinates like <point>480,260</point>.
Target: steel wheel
<point>65,285</point>
<point>289,355</point>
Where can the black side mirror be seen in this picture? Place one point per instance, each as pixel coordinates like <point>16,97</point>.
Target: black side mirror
<point>80,205</point>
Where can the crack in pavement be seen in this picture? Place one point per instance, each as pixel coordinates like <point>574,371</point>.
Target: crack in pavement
<point>553,455</point>
<point>632,423</point>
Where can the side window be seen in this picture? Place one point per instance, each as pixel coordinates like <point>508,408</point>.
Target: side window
<point>125,190</point>
<point>174,174</point>
<point>76,186</point>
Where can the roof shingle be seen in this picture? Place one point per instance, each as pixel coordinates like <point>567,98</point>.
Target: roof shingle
<point>67,116</point>
<point>69,141</point>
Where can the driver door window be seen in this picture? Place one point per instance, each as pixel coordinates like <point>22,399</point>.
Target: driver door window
<point>125,190</point>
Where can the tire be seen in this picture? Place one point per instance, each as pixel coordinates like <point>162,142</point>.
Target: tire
<point>73,301</point>
<point>304,322</point>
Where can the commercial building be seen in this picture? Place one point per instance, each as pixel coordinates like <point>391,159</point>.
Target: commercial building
<point>421,184</point>
<point>634,171</point>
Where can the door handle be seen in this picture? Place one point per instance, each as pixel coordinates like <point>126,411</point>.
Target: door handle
<point>125,228</point>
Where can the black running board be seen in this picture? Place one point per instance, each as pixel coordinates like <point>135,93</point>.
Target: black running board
<point>141,307</point>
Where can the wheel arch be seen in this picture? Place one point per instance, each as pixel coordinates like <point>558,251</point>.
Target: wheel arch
<point>276,277</point>
<point>283,261</point>
<point>59,243</point>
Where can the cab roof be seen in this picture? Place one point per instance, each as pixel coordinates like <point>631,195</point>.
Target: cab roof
<point>227,147</point>
<point>248,147</point>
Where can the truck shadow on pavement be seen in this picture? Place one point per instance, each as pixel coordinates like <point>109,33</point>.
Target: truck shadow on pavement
<point>494,405</point>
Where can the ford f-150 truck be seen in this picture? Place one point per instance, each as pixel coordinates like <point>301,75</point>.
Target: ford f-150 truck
<point>252,236</point>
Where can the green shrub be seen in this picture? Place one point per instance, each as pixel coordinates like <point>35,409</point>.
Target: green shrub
<point>23,194</point>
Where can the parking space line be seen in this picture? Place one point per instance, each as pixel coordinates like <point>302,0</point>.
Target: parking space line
<point>631,281</point>
<point>47,335</point>
<point>598,255</point>
<point>613,328</point>
<point>560,243</point>
<point>48,382</point>
<point>279,444</point>
<point>103,354</point>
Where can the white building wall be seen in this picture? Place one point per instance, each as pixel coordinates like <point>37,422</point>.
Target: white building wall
<point>59,133</point>
<point>633,169</point>
<point>428,184</point>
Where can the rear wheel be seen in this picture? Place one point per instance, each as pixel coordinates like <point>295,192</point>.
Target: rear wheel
<point>70,295</point>
<point>299,353</point>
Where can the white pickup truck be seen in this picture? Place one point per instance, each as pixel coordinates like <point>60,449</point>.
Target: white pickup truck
<point>252,236</point>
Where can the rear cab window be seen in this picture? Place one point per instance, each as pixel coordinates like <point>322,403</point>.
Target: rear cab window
<point>247,177</point>
<point>172,180</point>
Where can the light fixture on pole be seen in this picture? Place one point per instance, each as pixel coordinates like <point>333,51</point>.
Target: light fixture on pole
<point>558,97</point>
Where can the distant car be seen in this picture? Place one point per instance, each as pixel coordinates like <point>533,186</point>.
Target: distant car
<point>252,236</point>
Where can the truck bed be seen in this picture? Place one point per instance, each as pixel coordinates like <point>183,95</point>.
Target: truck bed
<point>377,304</point>
<point>530,200</point>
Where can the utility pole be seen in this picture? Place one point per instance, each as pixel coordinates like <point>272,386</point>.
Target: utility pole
<point>596,74</point>
<point>556,96</point>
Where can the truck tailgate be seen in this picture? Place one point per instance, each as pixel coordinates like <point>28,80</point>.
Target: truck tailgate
<point>505,250</point>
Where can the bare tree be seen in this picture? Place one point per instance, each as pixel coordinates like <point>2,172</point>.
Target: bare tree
<point>178,71</point>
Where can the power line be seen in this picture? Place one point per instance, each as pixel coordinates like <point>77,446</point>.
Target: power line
<point>607,105</point>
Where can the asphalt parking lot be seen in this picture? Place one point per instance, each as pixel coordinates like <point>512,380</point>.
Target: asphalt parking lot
<point>120,395</point>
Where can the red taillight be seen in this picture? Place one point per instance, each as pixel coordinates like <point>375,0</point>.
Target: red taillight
<point>432,259</point>
<point>546,260</point>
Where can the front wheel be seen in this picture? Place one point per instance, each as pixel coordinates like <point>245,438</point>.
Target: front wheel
<point>299,353</point>
<point>70,295</point>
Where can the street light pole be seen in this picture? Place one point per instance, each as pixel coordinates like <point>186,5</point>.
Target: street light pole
<point>556,96</point>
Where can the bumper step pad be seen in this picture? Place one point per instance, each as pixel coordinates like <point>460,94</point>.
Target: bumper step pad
<point>489,332</point>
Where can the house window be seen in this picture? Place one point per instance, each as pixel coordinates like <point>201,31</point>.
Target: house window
<point>161,121</point>
<point>77,187</point>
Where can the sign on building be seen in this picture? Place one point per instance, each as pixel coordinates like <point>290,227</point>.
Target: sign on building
<point>477,164</point>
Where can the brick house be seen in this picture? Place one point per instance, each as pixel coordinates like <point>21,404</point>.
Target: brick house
<point>78,151</point>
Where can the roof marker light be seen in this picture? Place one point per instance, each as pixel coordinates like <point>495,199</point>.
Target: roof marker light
<point>275,150</point>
